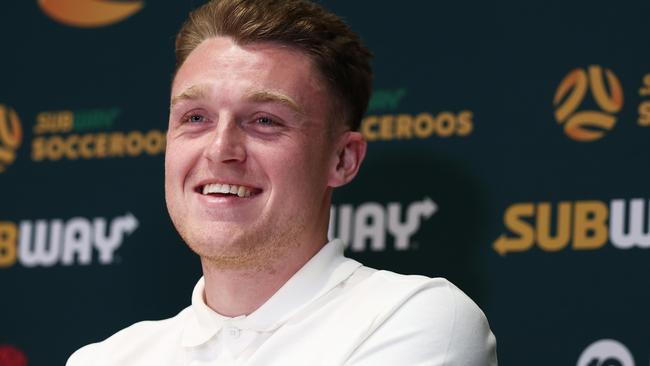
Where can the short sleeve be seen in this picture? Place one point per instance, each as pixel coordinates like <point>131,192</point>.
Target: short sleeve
<point>438,325</point>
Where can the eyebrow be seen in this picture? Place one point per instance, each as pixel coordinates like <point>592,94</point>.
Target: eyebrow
<point>196,92</point>
<point>264,96</point>
<point>192,93</point>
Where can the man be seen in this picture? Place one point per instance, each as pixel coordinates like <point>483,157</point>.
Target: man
<point>266,101</point>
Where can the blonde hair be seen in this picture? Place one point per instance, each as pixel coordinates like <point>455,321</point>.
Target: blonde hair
<point>335,49</point>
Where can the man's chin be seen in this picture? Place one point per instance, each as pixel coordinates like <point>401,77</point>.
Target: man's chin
<point>261,244</point>
<point>230,250</point>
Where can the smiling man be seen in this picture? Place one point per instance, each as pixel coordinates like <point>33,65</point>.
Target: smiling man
<point>266,103</point>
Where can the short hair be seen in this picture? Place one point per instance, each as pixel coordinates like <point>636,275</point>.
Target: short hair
<point>336,50</point>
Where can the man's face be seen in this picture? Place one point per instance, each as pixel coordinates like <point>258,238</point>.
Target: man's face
<point>253,121</point>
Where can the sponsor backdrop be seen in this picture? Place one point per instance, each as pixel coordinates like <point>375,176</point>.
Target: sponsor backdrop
<point>508,152</point>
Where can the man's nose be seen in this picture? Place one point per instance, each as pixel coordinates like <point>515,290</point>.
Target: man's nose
<point>227,143</point>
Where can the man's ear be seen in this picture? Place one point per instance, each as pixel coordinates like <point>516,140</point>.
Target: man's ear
<point>350,151</point>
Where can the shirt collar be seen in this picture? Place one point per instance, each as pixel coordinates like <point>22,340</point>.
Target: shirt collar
<point>320,274</point>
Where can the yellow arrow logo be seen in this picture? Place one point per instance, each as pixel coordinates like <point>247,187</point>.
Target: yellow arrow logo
<point>89,13</point>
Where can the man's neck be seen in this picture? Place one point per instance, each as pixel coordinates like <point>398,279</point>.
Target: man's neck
<point>234,292</point>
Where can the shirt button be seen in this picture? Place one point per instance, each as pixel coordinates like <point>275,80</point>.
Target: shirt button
<point>234,332</point>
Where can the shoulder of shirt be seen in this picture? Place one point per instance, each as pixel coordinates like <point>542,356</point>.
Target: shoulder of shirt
<point>136,335</point>
<point>438,288</point>
<point>421,294</point>
<point>435,311</point>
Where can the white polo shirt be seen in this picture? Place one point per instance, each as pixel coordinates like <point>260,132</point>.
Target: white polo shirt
<point>333,311</point>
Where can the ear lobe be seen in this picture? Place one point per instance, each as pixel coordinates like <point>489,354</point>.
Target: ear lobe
<point>350,154</point>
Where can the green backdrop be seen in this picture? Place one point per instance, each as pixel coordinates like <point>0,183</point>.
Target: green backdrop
<point>508,152</point>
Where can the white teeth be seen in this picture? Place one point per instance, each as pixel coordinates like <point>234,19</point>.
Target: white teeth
<point>240,191</point>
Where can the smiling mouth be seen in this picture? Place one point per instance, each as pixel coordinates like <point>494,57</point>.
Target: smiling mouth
<point>223,190</point>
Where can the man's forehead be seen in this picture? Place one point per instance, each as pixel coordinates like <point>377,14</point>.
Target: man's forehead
<point>226,52</point>
<point>260,71</point>
<point>224,55</point>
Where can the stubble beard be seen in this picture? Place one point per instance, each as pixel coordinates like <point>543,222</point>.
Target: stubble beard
<point>257,248</point>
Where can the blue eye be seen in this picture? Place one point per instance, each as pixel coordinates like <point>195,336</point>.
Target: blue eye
<point>193,117</point>
<point>265,121</point>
